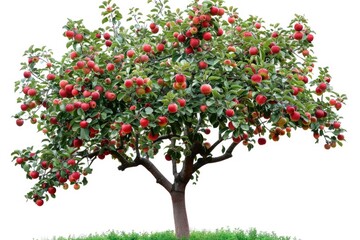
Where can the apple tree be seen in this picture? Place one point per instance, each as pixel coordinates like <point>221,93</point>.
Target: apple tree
<point>153,86</point>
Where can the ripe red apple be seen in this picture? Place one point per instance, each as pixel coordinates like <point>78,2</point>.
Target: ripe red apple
<point>34,174</point>
<point>50,76</point>
<point>336,125</point>
<point>237,139</point>
<point>110,67</point>
<point>180,78</point>
<point>19,122</point>
<point>194,42</point>
<point>340,137</point>
<point>253,51</point>
<point>162,121</point>
<point>152,137</point>
<point>220,32</point>
<point>128,83</point>
<point>95,95</point>
<point>207,36</point>
<point>24,107</point>
<point>108,43</point>
<point>160,47</point>
<point>203,65</point>
<point>52,190</point>
<point>247,34</point>
<point>338,105</point>
<point>69,107</point>
<point>130,53</point>
<point>79,37</point>
<point>107,36</point>
<point>229,112</point>
<point>168,157</point>
<point>71,162</point>
<point>231,126</point>
<point>69,34</point>
<point>27,74</point>
<point>85,106</point>
<point>77,143</point>
<point>256,78</point>
<point>172,108</point>
<point>261,141</point>
<point>110,96</point>
<point>221,11</point>
<point>84,124</point>
<point>144,122</point>
<point>298,35</point>
<point>260,99</point>
<point>126,128</point>
<point>257,25</point>
<point>147,48</point>
<point>319,113</point>
<point>231,20</point>
<point>203,108</point>
<point>310,37</point>
<point>206,89</point>
<point>295,116</point>
<point>298,27</point>
<point>332,102</point>
<point>32,92</point>
<point>39,202</point>
<point>182,102</point>
<point>275,49</point>
<point>322,86</point>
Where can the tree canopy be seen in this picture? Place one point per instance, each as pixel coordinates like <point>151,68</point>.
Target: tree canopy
<point>163,81</point>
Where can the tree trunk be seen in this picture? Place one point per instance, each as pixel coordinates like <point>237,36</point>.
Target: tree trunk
<point>180,217</point>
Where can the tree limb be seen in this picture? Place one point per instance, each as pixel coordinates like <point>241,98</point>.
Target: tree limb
<point>203,161</point>
<point>165,137</point>
<point>160,178</point>
<point>187,169</point>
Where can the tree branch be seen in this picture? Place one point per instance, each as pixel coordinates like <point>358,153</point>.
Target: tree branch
<point>160,178</point>
<point>203,161</point>
<point>187,169</point>
<point>214,145</point>
<point>124,162</point>
<point>165,137</point>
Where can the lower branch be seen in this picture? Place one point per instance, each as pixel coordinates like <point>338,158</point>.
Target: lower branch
<point>160,178</point>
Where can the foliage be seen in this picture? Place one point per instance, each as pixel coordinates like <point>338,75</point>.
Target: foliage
<point>236,234</point>
<point>165,82</point>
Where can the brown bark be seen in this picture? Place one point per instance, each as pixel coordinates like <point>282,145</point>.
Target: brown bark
<point>182,230</point>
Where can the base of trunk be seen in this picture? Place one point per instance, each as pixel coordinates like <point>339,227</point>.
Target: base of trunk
<point>180,217</point>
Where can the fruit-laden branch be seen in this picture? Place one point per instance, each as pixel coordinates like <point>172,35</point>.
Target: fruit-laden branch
<point>203,161</point>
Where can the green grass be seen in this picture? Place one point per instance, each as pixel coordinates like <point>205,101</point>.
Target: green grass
<point>221,234</point>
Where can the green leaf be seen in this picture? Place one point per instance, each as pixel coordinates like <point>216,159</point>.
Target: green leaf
<point>149,110</point>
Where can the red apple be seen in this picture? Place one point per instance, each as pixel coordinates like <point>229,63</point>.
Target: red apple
<point>229,112</point>
<point>52,190</point>
<point>298,35</point>
<point>194,42</point>
<point>160,47</point>
<point>19,122</point>
<point>79,37</point>
<point>110,67</point>
<point>39,202</point>
<point>295,116</point>
<point>130,53</point>
<point>207,36</point>
<point>27,74</point>
<point>180,78</point>
<point>182,102</point>
<point>298,27</point>
<point>107,36</point>
<point>84,124</point>
<point>153,137</point>
<point>261,141</point>
<point>144,122</point>
<point>147,48</point>
<point>172,108</point>
<point>310,37</point>
<point>203,65</point>
<point>69,34</point>
<point>256,78</point>
<point>275,49</point>
<point>34,174</point>
<point>162,121</point>
<point>206,89</point>
<point>69,107</point>
<point>126,128</point>
<point>261,99</point>
<point>203,108</point>
<point>253,51</point>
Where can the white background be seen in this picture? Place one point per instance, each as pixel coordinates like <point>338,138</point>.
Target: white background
<point>292,187</point>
